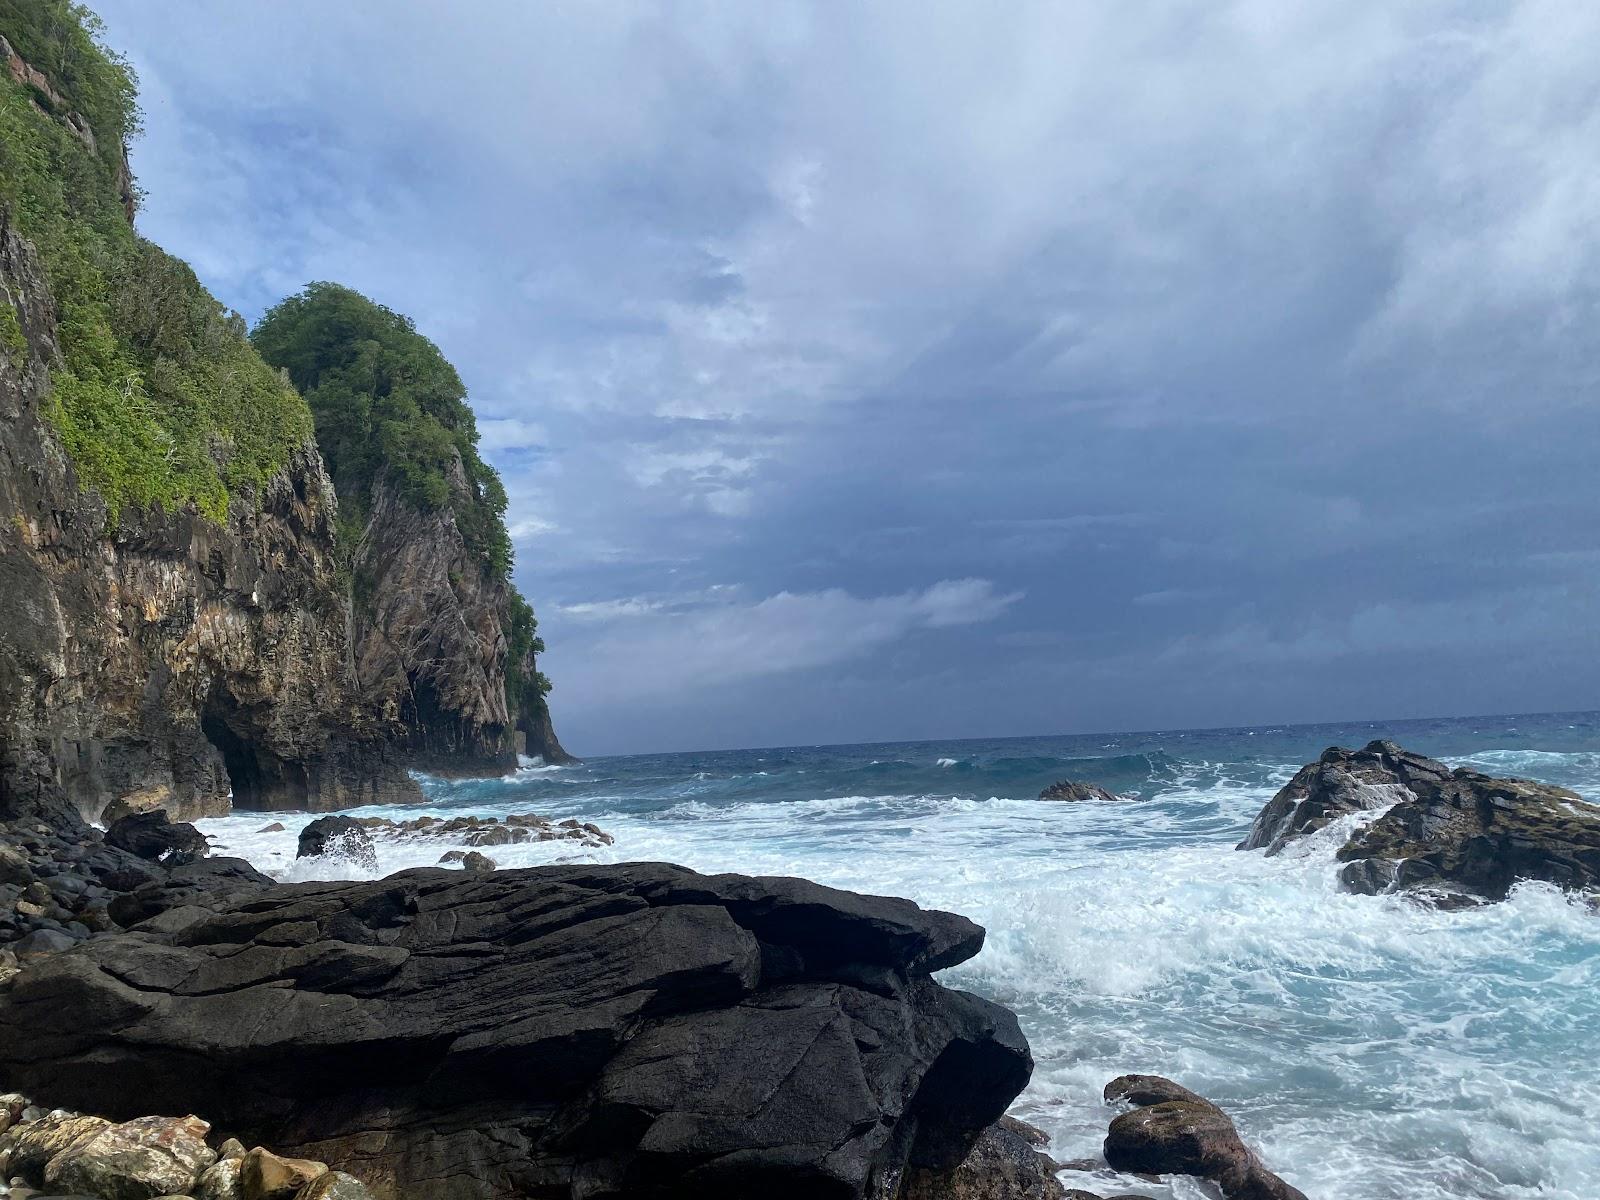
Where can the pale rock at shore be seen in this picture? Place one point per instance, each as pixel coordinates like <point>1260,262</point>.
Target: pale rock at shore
<point>136,1160</point>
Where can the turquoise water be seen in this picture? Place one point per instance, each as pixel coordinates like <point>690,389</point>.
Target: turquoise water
<point>1371,1048</point>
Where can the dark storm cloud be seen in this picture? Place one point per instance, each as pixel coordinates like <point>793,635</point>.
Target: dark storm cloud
<point>894,370</point>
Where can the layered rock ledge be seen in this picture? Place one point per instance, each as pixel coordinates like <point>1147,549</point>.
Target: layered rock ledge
<point>594,1032</point>
<point>1456,834</point>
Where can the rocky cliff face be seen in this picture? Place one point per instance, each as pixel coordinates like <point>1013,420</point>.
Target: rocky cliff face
<point>431,643</point>
<point>160,659</point>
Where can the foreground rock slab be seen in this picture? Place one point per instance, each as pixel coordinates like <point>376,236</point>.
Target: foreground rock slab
<point>1456,834</point>
<point>1173,1131</point>
<point>636,1030</point>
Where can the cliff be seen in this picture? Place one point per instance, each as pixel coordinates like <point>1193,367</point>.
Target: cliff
<point>172,618</point>
<point>444,647</point>
<point>185,612</point>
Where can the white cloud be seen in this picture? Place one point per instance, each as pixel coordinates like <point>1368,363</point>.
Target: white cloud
<point>640,646</point>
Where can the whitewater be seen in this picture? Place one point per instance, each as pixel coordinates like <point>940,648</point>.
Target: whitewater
<point>1371,1048</point>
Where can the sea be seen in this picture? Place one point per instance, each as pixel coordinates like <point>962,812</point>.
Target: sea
<point>1369,1047</point>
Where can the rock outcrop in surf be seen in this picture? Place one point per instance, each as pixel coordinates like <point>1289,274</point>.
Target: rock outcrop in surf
<point>1452,834</point>
<point>635,1030</point>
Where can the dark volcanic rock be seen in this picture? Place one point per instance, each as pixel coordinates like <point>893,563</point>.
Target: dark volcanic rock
<point>150,835</point>
<point>1458,832</point>
<point>1069,790</point>
<point>1175,1132</point>
<point>638,1030</point>
<point>1477,834</point>
<point>1005,1164</point>
<point>1337,784</point>
<point>338,837</point>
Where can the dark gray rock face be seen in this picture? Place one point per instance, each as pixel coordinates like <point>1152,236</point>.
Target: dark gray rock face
<point>430,643</point>
<point>1173,1131</point>
<point>596,1032</point>
<point>1071,791</point>
<point>1337,784</point>
<point>1461,833</point>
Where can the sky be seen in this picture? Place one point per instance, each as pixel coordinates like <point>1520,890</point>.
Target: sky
<point>892,371</point>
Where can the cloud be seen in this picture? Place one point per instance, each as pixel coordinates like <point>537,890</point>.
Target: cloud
<point>1230,327</point>
<point>645,646</point>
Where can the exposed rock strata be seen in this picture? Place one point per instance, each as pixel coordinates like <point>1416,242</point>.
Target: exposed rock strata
<point>1172,1131</point>
<point>160,656</point>
<point>567,1031</point>
<point>1455,834</point>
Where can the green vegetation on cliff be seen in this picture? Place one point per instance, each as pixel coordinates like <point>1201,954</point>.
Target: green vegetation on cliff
<point>389,406</point>
<point>157,396</point>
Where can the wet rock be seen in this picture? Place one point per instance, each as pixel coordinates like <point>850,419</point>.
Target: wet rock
<point>1004,1164</point>
<point>1339,783</point>
<point>636,1029</point>
<point>473,861</point>
<point>136,1160</point>
<point>488,831</point>
<point>274,827</point>
<point>264,1175</point>
<point>1173,1131</point>
<point>1451,835</point>
<point>338,837</point>
<point>152,836</point>
<point>1071,791</point>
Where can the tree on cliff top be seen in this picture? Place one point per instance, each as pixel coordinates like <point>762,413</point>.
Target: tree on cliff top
<point>389,406</point>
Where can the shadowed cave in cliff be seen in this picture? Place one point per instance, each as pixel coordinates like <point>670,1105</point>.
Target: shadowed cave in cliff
<point>258,778</point>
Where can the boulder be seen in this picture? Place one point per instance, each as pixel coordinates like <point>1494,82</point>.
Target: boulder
<point>1173,1131</point>
<point>152,836</point>
<point>338,837</point>
<point>1339,783</point>
<point>569,1031</point>
<point>26,1147</point>
<point>1456,835</point>
<point>264,1175</point>
<point>136,1160</point>
<point>221,1180</point>
<point>1067,789</point>
<point>1004,1164</point>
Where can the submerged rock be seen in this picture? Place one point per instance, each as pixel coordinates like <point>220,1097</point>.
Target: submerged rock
<point>1067,789</point>
<point>562,1031</point>
<point>1173,1131</point>
<point>1458,833</point>
<point>489,831</point>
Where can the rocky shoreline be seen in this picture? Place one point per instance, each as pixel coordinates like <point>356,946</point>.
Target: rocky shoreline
<point>633,1030</point>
